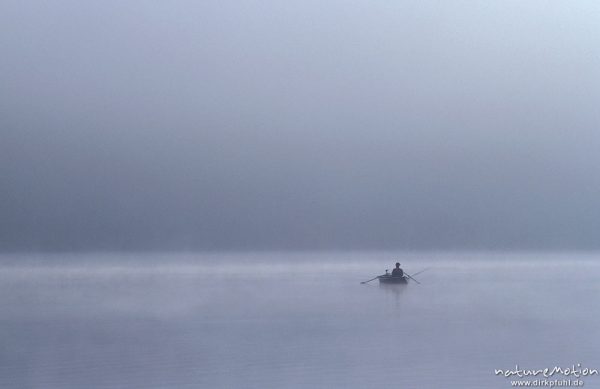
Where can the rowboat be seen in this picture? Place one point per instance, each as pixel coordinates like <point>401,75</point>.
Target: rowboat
<point>389,279</point>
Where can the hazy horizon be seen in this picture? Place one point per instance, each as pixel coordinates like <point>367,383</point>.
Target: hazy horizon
<point>218,125</point>
<point>295,321</point>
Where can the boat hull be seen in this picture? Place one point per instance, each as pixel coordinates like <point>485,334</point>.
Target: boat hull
<point>392,280</point>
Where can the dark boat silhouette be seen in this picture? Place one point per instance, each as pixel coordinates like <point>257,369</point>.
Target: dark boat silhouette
<point>390,279</point>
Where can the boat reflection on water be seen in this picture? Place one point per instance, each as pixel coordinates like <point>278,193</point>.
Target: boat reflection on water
<point>393,291</point>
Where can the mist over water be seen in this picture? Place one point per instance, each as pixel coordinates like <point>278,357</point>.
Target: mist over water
<point>220,125</point>
<point>134,128</point>
<point>259,320</point>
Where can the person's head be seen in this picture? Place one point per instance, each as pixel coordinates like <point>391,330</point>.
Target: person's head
<point>397,265</point>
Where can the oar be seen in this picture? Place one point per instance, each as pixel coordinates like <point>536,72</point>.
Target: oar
<point>374,278</point>
<point>419,272</point>
<point>408,275</point>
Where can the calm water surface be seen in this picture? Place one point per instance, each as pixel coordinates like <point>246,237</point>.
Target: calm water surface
<point>293,320</point>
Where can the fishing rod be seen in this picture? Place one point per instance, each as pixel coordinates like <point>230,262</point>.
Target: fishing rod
<point>419,272</point>
<point>408,275</point>
<point>414,274</point>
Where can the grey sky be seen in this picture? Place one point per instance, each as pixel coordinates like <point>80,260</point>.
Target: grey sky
<point>299,124</point>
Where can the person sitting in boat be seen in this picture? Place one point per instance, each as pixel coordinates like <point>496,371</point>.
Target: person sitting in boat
<point>397,272</point>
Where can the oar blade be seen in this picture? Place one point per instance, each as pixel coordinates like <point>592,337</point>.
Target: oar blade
<point>374,278</point>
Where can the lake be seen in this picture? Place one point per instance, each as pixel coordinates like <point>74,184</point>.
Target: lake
<point>294,320</point>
